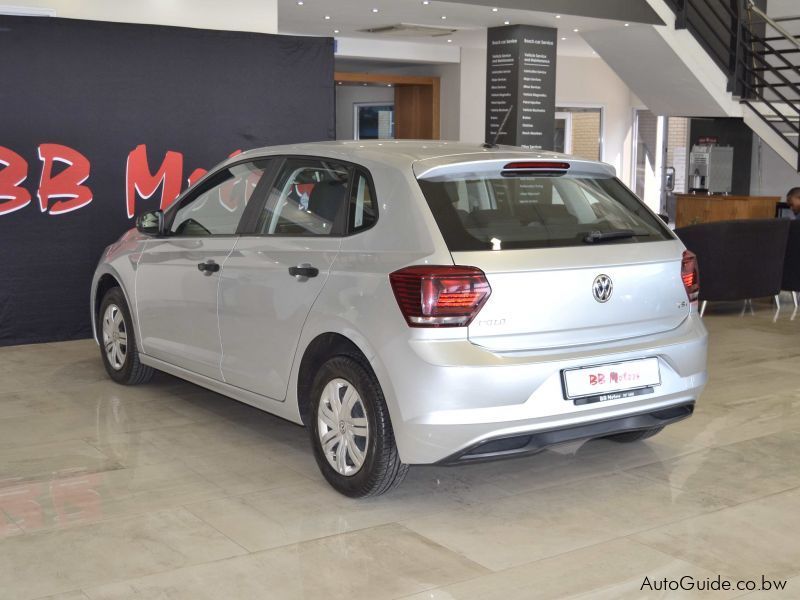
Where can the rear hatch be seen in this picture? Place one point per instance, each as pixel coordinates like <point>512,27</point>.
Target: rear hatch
<point>572,257</point>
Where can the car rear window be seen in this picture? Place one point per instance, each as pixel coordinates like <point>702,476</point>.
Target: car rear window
<point>496,212</point>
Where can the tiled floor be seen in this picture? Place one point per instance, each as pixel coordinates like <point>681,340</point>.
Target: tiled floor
<point>170,491</point>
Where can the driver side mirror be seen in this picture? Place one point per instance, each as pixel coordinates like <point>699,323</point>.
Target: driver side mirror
<point>151,223</point>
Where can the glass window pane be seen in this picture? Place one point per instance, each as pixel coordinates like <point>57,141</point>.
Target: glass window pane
<point>477,212</point>
<point>309,198</point>
<point>218,210</point>
<point>363,209</point>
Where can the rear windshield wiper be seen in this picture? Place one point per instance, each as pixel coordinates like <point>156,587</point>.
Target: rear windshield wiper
<point>602,236</point>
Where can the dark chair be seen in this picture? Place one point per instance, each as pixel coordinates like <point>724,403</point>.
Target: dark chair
<point>791,264</point>
<point>738,260</point>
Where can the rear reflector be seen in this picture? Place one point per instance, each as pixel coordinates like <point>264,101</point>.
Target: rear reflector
<point>536,165</point>
<point>690,275</point>
<point>440,296</point>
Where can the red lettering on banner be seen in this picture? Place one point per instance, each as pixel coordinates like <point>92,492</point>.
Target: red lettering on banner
<point>13,173</point>
<point>198,173</point>
<point>65,184</point>
<point>62,190</point>
<point>139,179</point>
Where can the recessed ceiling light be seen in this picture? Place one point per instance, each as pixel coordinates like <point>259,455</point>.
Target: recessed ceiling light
<point>426,2</point>
<point>627,24</point>
<point>327,17</point>
<point>495,9</point>
<point>300,2</point>
<point>576,30</point>
<point>506,22</point>
<point>563,38</point>
<point>388,85</point>
<point>335,31</point>
<point>449,41</point>
<point>338,83</point>
<point>374,10</point>
<point>558,16</point>
<point>444,17</point>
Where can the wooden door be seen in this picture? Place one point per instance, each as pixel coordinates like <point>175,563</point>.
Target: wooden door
<point>416,112</point>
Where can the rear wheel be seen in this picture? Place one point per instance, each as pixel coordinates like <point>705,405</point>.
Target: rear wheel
<point>634,436</point>
<point>351,432</point>
<point>118,341</point>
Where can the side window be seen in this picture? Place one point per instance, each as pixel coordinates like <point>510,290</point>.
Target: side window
<point>363,204</point>
<point>309,198</point>
<point>217,208</point>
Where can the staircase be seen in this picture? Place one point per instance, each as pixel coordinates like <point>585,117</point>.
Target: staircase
<point>760,56</point>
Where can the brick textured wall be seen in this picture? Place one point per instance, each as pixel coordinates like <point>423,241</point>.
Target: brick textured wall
<point>586,135</point>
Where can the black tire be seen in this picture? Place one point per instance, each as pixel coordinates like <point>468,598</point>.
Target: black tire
<point>634,436</point>
<point>381,469</point>
<point>131,371</point>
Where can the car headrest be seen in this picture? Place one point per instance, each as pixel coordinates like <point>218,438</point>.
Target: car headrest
<point>327,199</point>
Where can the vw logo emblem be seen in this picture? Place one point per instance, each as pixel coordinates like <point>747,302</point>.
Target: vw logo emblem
<point>602,288</point>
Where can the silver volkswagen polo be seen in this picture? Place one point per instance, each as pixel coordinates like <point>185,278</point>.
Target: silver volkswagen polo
<point>412,302</point>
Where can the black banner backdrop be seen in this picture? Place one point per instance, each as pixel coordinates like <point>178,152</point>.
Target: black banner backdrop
<point>99,120</point>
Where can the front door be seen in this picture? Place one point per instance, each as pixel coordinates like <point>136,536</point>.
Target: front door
<point>272,278</point>
<point>177,278</point>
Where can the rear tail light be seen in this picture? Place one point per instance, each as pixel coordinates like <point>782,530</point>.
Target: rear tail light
<point>440,296</point>
<point>690,275</point>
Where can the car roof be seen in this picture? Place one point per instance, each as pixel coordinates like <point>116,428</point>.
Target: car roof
<point>408,153</point>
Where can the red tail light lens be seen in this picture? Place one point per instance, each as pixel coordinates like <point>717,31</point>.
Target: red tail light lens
<point>440,296</point>
<point>545,166</point>
<point>690,276</point>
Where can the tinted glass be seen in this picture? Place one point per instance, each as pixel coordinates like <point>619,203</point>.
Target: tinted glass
<point>218,209</point>
<point>363,206</point>
<point>499,213</point>
<point>309,198</point>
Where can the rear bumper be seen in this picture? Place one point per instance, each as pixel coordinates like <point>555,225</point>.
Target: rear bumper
<point>531,443</point>
<point>448,398</point>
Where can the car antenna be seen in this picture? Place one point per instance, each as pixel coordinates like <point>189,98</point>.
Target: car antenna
<point>493,143</point>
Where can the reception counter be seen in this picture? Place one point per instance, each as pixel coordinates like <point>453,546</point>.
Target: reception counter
<point>696,208</point>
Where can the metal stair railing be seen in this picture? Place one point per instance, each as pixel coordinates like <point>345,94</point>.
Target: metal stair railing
<point>759,55</point>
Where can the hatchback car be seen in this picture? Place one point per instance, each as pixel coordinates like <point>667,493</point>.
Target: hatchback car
<point>412,302</point>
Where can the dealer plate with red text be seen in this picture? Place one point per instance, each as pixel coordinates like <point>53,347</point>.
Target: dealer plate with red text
<point>611,381</point>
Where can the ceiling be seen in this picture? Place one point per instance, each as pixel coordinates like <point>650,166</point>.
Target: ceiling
<point>348,18</point>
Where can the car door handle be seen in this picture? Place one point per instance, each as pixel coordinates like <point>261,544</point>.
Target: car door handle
<point>303,270</point>
<point>207,268</point>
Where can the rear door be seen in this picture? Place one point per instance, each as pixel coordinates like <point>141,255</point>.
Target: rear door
<point>275,274</point>
<point>572,257</point>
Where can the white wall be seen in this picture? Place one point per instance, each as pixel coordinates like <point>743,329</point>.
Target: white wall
<point>235,15</point>
<point>472,90</point>
<point>770,174</point>
<point>347,95</point>
<point>580,81</point>
<point>394,51</point>
<point>591,82</point>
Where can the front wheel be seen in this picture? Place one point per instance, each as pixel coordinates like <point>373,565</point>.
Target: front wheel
<point>118,341</point>
<point>351,432</point>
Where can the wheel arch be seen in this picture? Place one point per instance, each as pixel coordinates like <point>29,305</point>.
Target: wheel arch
<point>322,348</point>
<point>105,281</point>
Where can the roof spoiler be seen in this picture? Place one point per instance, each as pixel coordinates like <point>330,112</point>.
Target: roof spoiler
<point>514,167</point>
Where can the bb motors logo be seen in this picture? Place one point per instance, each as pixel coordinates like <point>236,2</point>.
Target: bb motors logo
<point>64,179</point>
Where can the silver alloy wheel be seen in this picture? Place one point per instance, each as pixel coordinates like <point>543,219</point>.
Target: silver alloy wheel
<point>115,337</point>
<point>342,427</point>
